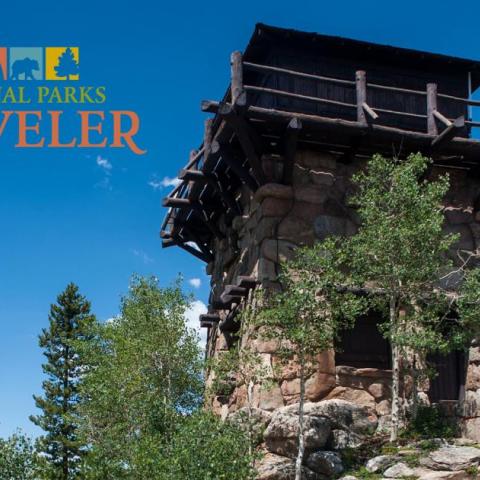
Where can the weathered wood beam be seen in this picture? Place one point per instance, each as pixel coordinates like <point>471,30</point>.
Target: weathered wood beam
<point>231,159</point>
<point>180,203</point>
<point>361,89</point>
<point>431,108</point>
<point>235,290</point>
<point>449,133</point>
<point>247,281</point>
<point>383,135</point>
<point>236,84</point>
<point>291,140</point>
<point>249,140</point>
<point>228,300</point>
<point>442,118</point>
<point>207,137</point>
<point>370,111</point>
<point>192,176</point>
<point>209,320</point>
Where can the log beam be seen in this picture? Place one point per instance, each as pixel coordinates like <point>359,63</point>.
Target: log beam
<point>249,140</point>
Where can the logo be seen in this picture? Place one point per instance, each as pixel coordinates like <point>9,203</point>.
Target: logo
<point>40,63</point>
<point>56,110</point>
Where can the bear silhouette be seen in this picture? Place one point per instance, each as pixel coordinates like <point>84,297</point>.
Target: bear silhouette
<point>26,67</point>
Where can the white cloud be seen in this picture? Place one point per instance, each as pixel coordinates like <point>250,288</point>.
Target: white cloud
<point>105,184</point>
<point>143,256</point>
<point>195,282</point>
<point>164,183</point>
<point>192,315</point>
<point>104,163</point>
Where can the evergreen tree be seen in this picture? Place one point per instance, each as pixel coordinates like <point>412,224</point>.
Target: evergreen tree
<point>70,321</point>
<point>67,65</point>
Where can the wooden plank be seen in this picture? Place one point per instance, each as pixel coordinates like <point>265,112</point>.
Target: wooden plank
<point>431,107</point>
<point>361,89</point>
<point>231,159</point>
<point>291,140</point>
<point>250,142</point>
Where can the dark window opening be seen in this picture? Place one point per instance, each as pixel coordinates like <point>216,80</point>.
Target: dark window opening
<point>364,346</point>
<point>450,376</point>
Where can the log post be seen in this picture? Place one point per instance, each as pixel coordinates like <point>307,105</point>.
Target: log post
<point>431,108</point>
<point>236,85</point>
<point>207,139</point>
<point>361,87</point>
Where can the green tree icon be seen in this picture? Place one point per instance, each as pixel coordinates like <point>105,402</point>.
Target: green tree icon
<point>67,65</point>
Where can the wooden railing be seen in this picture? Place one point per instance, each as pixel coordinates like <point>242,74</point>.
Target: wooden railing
<point>365,112</point>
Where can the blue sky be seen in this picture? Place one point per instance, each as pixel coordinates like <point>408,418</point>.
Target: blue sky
<point>93,216</point>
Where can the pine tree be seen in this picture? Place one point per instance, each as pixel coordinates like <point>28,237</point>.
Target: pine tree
<point>67,65</point>
<point>70,322</point>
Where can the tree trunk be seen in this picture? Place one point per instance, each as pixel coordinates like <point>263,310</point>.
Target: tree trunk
<point>301,439</point>
<point>250,423</point>
<point>414,388</point>
<point>395,372</point>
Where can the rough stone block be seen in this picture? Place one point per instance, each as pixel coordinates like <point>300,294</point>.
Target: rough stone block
<point>327,225</point>
<point>278,250</point>
<point>274,190</point>
<point>359,397</point>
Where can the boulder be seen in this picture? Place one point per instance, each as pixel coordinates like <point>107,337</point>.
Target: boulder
<point>399,470</point>
<point>326,463</point>
<point>341,439</point>
<point>380,463</point>
<point>281,434</point>
<point>433,475</point>
<point>452,458</point>
<point>275,467</point>
<point>344,415</point>
<point>354,395</point>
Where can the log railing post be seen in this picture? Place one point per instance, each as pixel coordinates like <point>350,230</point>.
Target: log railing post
<point>237,76</point>
<point>361,86</point>
<point>431,108</point>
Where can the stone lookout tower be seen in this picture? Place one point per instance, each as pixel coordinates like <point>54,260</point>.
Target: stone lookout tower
<point>302,113</point>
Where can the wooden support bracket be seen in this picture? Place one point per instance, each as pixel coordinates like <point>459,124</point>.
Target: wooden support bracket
<point>249,140</point>
<point>449,133</point>
<point>370,111</point>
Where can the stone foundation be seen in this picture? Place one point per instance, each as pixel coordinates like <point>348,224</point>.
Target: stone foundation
<point>279,218</point>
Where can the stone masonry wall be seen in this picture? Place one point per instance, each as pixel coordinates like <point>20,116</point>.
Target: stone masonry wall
<point>277,219</point>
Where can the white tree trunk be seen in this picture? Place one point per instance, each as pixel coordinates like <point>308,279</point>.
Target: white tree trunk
<point>301,438</point>
<point>395,372</point>
<point>249,419</point>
